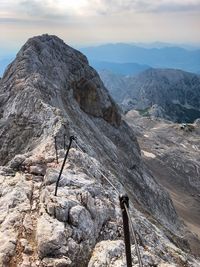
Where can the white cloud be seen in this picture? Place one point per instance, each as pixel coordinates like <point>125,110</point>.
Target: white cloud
<point>51,8</point>
<point>112,6</point>
<point>45,9</point>
<point>175,5</point>
<point>62,9</point>
<point>90,21</point>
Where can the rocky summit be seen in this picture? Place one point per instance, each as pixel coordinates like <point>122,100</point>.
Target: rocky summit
<point>50,91</point>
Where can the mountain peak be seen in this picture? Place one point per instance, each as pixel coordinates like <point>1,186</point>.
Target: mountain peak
<point>48,75</point>
<point>38,43</point>
<point>45,53</point>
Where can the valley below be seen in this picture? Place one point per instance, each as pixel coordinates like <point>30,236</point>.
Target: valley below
<point>171,153</point>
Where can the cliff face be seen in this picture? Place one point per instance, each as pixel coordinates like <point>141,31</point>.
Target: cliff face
<point>50,90</point>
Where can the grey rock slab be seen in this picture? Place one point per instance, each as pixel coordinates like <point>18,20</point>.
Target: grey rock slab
<point>50,236</point>
<point>52,262</point>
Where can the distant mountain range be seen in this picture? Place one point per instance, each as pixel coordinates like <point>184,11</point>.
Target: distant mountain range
<point>164,45</point>
<point>167,93</point>
<point>119,68</point>
<point>164,57</point>
<point>128,59</point>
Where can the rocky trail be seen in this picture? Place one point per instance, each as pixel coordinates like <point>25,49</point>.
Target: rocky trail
<point>83,214</point>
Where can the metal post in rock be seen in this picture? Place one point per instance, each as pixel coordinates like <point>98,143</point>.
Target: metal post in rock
<point>56,148</point>
<point>124,200</point>
<point>64,161</point>
<point>64,141</point>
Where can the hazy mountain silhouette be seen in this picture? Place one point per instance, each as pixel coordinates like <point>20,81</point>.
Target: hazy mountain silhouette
<point>168,57</point>
<point>167,93</point>
<point>119,68</point>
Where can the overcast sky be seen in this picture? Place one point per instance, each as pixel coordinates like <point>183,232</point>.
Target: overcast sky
<point>83,22</point>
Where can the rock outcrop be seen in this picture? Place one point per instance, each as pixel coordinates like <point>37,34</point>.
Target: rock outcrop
<point>82,226</point>
<point>50,90</point>
<point>35,89</point>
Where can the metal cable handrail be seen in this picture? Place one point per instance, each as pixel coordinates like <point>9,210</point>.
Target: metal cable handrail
<point>134,236</point>
<point>100,172</point>
<point>124,204</point>
<point>127,211</point>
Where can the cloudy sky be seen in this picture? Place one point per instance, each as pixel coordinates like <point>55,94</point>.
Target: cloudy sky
<point>83,22</point>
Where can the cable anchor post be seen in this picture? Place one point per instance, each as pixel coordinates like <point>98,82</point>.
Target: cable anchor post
<point>56,148</point>
<point>64,141</point>
<point>124,200</point>
<point>71,139</point>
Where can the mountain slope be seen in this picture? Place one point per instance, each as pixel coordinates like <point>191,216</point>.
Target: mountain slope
<point>167,93</point>
<point>171,152</point>
<point>50,90</point>
<point>116,84</point>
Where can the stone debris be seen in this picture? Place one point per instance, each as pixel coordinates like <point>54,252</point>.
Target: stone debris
<point>82,226</point>
<point>111,254</point>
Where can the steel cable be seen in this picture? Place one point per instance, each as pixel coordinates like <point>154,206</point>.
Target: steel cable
<point>134,236</point>
<point>127,211</point>
<point>100,172</point>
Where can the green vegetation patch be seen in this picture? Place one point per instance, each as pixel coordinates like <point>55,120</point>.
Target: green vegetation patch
<point>144,112</point>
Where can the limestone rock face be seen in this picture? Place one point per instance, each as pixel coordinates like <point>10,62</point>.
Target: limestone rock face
<point>197,122</point>
<point>72,222</point>
<point>14,203</point>
<point>50,90</point>
<point>87,95</point>
<point>81,226</point>
<point>157,111</point>
<point>38,85</point>
<point>111,254</point>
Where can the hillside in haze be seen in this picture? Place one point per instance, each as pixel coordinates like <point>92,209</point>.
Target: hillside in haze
<point>165,57</point>
<point>118,68</point>
<point>128,59</point>
<point>166,93</point>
